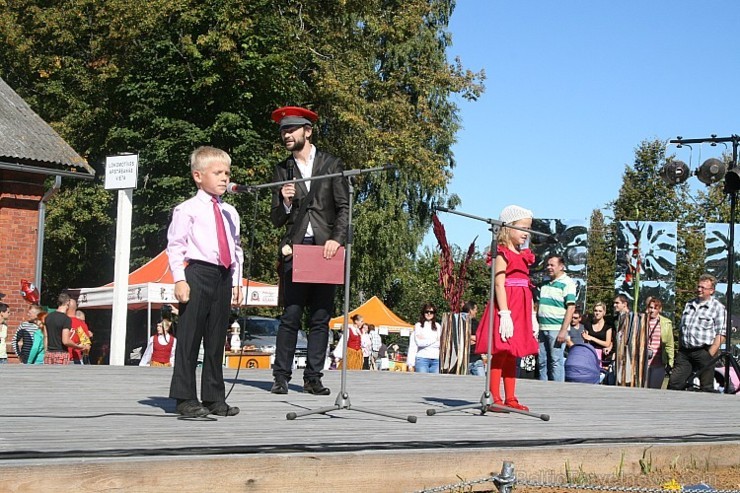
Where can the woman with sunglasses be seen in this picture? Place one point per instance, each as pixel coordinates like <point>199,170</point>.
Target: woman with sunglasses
<point>424,342</point>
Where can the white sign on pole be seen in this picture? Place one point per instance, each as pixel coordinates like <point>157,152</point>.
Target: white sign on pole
<point>121,171</point>
<point>120,174</point>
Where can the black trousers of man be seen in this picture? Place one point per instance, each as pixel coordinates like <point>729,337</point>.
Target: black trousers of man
<point>297,296</point>
<point>204,317</point>
<point>689,360</point>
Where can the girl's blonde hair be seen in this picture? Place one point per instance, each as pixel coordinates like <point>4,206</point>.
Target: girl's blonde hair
<point>502,237</point>
<point>511,214</point>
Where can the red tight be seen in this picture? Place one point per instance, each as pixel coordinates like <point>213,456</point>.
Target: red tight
<point>503,364</point>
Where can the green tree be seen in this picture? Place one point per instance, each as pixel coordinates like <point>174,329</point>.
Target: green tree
<point>600,262</point>
<point>416,282</point>
<point>645,197</point>
<point>163,77</point>
<point>74,215</point>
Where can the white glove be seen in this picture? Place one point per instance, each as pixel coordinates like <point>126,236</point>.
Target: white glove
<point>505,325</point>
<point>535,325</point>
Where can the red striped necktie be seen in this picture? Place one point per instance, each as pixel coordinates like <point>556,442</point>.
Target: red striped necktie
<point>224,256</point>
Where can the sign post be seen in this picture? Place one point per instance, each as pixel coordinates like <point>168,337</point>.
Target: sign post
<point>120,174</point>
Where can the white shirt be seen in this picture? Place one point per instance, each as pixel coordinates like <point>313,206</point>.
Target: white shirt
<point>366,344</point>
<point>339,350</point>
<point>147,358</point>
<point>306,170</point>
<point>424,342</point>
<point>3,336</point>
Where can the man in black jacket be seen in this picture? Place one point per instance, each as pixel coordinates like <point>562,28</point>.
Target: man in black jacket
<point>321,220</point>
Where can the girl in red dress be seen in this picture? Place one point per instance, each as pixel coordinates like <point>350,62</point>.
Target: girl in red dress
<point>513,324</point>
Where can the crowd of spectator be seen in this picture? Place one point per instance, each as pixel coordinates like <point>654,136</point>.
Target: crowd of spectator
<point>575,345</point>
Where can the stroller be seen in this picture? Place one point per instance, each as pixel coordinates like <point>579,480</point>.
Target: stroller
<point>582,364</point>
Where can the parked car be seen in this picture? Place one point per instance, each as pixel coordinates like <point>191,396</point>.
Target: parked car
<point>261,332</point>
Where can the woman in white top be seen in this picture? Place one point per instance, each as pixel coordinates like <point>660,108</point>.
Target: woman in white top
<point>354,345</point>
<point>161,348</point>
<point>367,347</point>
<point>424,343</point>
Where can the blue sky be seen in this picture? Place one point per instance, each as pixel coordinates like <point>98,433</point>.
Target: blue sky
<point>572,88</point>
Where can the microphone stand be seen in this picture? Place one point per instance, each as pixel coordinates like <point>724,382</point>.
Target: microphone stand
<point>342,401</point>
<point>486,401</point>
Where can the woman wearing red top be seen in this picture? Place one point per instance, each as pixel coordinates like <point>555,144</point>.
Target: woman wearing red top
<point>161,348</point>
<point>354,345</point>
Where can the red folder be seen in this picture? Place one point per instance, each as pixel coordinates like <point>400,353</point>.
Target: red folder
<point>310,266</point>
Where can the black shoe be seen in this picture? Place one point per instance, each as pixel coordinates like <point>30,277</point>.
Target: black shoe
<point>280,386</point>
<point>221,409</point>
<point>314,386</point>
<point>191,409</point>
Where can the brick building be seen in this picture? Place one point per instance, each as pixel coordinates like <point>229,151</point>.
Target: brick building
<point>30,153</point>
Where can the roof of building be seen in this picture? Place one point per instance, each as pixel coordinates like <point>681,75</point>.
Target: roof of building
<point>27,140</point>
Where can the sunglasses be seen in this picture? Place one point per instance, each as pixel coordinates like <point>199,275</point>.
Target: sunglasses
<point>430,311</point>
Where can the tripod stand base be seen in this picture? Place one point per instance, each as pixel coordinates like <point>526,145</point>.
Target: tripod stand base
<point>343,403</point>
<point>486,404</point>
<point>728,360</point>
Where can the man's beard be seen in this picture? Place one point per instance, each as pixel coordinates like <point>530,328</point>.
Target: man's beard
<point>298,145</point>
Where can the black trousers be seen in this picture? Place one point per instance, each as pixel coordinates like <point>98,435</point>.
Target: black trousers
<point>205,317</point>
<point>689,360</point>
<point>297,296</point>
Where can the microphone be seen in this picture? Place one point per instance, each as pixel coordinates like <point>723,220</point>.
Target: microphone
<point>234,188</point>
<point>290,169</point>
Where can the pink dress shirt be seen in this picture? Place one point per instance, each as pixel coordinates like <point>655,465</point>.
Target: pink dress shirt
<point>192,236</point>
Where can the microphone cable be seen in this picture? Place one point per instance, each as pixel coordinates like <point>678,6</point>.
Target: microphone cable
<point>248,271</point>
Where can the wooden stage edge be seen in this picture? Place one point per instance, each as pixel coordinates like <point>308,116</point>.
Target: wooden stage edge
<point>406,470</point>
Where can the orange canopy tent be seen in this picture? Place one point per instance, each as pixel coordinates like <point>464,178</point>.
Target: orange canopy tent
<point>375,312</point>
<point>152,285</point>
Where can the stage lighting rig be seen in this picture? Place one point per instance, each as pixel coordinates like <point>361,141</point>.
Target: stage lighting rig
<point>712,171</point>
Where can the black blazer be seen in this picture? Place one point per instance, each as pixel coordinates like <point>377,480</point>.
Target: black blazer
<point>329,209</point>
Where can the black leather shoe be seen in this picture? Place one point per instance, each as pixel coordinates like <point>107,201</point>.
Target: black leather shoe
<point>280,386</point>
<point>192,409</point>
<point>221,409</point>
<point>314,386</point>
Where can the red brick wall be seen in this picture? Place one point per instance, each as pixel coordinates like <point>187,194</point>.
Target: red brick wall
<point>20,194</point>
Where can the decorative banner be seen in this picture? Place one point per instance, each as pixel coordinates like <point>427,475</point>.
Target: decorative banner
<point>454,344</point>
<point>717,241</point>
<point>572,245</point>
<point>646,262</point>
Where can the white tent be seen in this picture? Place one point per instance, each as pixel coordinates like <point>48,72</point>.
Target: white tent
<point>152,285</point>
<point>156,294</point>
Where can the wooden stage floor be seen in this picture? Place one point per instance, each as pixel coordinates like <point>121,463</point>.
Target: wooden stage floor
<point>101,428</point>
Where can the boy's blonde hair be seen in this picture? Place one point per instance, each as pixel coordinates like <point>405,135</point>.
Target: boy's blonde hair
<point>202,156</point>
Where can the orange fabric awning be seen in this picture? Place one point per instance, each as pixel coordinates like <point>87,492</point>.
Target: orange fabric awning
<point>376,313</point>
<point>152,285</point>
<point>158,270</point>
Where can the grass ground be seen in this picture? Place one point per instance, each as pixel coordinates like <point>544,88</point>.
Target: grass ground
<point>672,478</point>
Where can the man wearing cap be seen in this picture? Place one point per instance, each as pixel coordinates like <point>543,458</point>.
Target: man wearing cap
<point>556,308</point>
<point>314,212</point>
